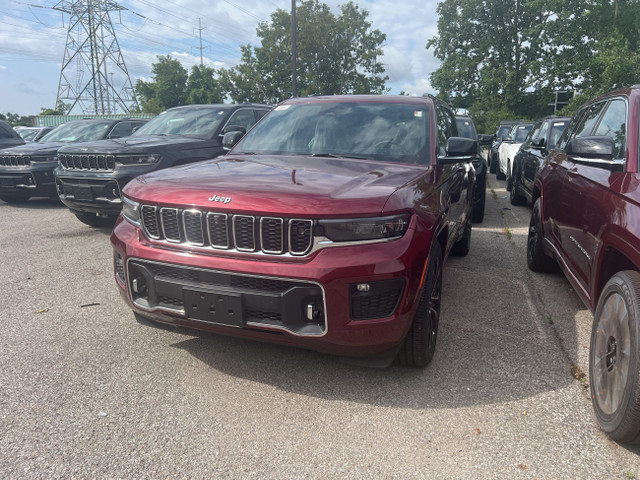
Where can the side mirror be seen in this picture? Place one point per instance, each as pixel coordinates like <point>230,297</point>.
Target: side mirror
<point>484,139</point>
<point>231,138</point>
<point>233,128</point>
<point>459,149</point>
<point>538,143</point>
<point>600,147</point>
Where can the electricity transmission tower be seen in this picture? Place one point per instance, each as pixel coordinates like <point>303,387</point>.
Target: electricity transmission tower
<point>94,76</point>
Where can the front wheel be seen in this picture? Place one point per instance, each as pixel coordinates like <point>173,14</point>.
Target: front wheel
<point>614,363</point>
<point>537,260</point>
<point>514,195</point>
<point>420,343</point>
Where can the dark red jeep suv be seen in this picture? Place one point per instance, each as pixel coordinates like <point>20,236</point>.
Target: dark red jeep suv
<point>586,216</point>
<point>325,227</point>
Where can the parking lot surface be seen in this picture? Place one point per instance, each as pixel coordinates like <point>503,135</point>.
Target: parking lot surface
<point>86,392</point>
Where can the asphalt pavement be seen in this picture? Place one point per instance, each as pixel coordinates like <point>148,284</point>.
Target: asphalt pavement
<point>86,392</point>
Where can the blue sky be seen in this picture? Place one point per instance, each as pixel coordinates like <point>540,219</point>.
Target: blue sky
<point>33,36</point>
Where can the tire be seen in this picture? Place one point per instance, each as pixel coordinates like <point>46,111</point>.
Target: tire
<point>93,220</point>
<point>478,208</point>
<point>462,246</point>
<point>492,162</point>
<point>514,195</point>
<point>614,358</point>
<point>509,177</point>
<point>420,343</point>
<point>499,174</point>
<point>537,260</point>
<point>14,199</point>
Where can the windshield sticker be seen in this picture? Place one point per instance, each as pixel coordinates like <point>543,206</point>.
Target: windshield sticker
<point>558,124</point>
<point>417,114</point>
<point>281,107</point>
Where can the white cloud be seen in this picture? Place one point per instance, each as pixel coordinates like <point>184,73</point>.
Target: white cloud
<point>33,41</point>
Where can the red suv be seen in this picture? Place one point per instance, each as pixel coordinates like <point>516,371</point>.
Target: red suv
<point>586,216</point>
<point>325,227</point>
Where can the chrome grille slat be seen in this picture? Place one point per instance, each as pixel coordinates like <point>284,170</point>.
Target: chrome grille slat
<point>300,236</point>
<point>192,223</point>
<point>103,163</point>
<point>218,229</point>
<point>15,160</point>
<point>244,233</point>
<point>170,225</point>
<point>221,231</point>
<point>272,235</point>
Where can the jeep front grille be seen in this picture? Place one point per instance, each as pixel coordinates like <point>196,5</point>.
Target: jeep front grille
<point>221,231</point>
<point>15,160</point>
<point>105,163</point>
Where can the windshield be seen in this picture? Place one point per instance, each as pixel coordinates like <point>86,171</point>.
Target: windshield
<point>192,122</point>
<point>521,133</point>
<point>28,134</point>
<point>503,131</point>
<point>78,131</point>
<point>379,131</point>
<point>465,128</point>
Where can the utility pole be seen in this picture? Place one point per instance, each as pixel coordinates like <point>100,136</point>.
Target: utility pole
<point>200,31</point>
<point>294,27</point>
<point>91,55</point>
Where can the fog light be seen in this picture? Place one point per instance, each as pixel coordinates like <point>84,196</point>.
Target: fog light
<point>363,287</point>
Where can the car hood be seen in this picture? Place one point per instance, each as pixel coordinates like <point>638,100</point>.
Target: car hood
<point>143,144</point>
<point>33,148</point>
<point>282,185</point>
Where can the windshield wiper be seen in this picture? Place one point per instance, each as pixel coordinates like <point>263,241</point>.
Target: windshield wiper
<point>333,155</point>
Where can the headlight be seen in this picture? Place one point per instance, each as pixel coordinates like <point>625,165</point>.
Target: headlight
<point>131,210</point>
<point>137,159</point>
<point>358,229</point>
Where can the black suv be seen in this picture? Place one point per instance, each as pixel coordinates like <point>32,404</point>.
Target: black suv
<point>503,130</point>
<point>27,170</point>
<point>467,129</point>
<point>8,136</point>
<point>90,176</point>
<point>542,138</point>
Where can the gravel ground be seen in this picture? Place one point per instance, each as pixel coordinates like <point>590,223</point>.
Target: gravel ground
<point>86,392</point>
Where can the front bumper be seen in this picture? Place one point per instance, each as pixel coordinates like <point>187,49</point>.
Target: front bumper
<point>312,302</point>
<point>95,192</point>
<point>35,180</point>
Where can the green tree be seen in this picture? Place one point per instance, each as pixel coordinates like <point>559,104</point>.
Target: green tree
<point>203,86</point>
<point>335,55</point>
<point>507,57</point>
<point>167,89</point>
<point>61,109</point>
<point>17,120</point>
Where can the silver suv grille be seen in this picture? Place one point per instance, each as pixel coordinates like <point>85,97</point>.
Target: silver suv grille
<point>15,160</point>
<point>222,231</point>
<point>105,163</point>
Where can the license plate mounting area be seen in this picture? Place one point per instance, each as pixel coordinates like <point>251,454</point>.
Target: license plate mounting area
<point>222,308</point>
